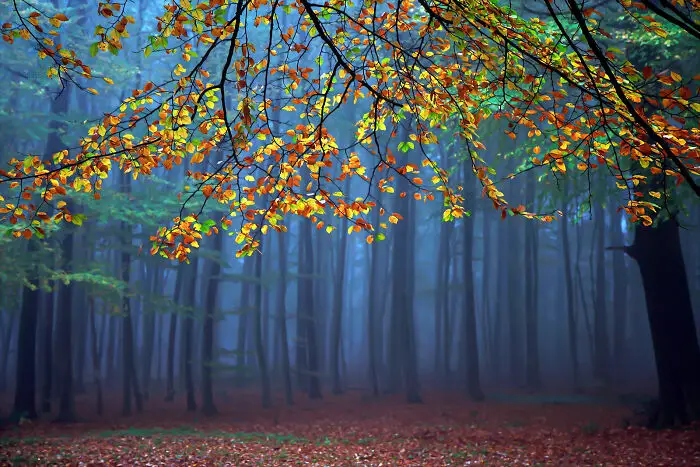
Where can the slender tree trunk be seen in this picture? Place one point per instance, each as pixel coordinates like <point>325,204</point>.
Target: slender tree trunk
<point>470,336</point>
<point>301,350</point>
<point>149,331</point>
<point>570,299</point>
<point>314,388</point>
<point>64,331</point>
<point>130,383</point>
<point>188,331</point>
<point>373,325</point>
<point>532,360</point>
<point>96,354</point>
<point>619,295</point>
<point>210,304</point>
<point>337,318</point>
<point>441,297</point>
<point>601,349</point>
<point>46,390</point>
<point>172,334</point>
<point>244,312</point>
<point>282,321</point>
<point>265,395</point>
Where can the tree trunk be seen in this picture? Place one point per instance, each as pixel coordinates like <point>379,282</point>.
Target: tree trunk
<point>241,352</point>
<point>25,377</point>
<point>657,251</point>
<point>337,317</point>
<point>96,354</point>
<point>188,330</point>
<point>64,330</point>
<point>172,333</point>
<point>258,333</point>
<point>46,390</point>
<point>619,295</point>
<point>601,350</point>
<point>470,335</point>
<point>570,300</point>
<point>314,388</point>
<point>282,321</point>
<point>210,304</point>
<point>373,324</point>
<point>532,348</point>
<point>130,382</point>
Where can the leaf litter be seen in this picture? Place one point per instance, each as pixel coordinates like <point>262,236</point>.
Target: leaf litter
<point>350,430</point>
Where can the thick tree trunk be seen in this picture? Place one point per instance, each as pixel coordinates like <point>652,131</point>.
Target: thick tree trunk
<point>659,256</point>
<point>25,377</point>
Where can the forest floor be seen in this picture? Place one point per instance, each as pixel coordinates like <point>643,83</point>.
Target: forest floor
<point>351,430</point>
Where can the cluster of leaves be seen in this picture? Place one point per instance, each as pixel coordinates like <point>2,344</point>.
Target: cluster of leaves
<point>345,431</point>
<point>414,66</point>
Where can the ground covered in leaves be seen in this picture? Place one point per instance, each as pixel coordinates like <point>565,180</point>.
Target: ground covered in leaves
<point>352,430</point>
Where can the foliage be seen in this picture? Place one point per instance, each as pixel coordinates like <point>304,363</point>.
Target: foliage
<point>251,102</point>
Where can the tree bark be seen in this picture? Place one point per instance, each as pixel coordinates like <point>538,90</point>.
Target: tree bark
<point>657,251</point>
<point>282,321</point>
<point>601,350</point>
<point>470,335</point>
<point>265,395</point>
<point>569,291</point>
<point>210,304</point>
<point>172,333</point>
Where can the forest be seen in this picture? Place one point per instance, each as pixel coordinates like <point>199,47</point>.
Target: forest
<point>350,232</point>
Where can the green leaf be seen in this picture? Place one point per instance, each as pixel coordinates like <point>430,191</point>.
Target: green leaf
<point>94,49</point>
<point>78,219</point>
<point>406,146</point>
<point>207,225</point>
<point>147,51</point>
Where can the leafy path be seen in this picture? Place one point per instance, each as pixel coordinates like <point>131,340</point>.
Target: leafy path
<point>351,430</point>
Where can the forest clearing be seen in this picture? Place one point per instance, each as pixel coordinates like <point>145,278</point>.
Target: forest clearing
<point>356,430</point>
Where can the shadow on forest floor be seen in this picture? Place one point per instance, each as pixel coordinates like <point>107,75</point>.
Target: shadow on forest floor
<point>354,430</point>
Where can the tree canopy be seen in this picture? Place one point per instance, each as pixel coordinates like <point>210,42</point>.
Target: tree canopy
<point>253,85</point>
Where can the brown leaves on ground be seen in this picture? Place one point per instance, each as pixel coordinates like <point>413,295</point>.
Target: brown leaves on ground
<point>351,430</point>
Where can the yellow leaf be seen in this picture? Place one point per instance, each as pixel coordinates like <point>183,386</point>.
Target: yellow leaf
<point>92,91</point>
<point>108,80</point>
